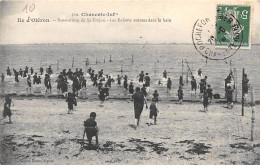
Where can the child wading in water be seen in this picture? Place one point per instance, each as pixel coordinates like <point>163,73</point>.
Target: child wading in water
<point>153,113</point>
<point>91,128</point>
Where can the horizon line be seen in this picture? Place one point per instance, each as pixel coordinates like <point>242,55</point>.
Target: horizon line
<point>110,43</point>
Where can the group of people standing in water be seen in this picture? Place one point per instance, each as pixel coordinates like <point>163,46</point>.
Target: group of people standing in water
<point>70,84</point>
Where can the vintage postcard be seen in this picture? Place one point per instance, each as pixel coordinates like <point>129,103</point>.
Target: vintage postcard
<point>130,82</point>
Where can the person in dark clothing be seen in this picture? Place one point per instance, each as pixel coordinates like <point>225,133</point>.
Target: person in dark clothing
<point>102,95</point>
<point>119,79</point>
<point>21,72</point>
<point>139,100</point>
<point>245,86</point>
<point>193,85</point>
<point>34,78</point>
<point>2,78</point>
<point>91,129</point>
<point>227,81</point>
<point>47,83</point>
<point>109,81</point>
<point>141,76</point>
<point>131,88</point>
<point>169,85</point>
<point>70,74</point>
<point>202,86</point>
<point>143,90</point>
<point>63,86</point>
<point>147,80</point>
<point>75,85</point>
<point>41,70</point>
<point>71,99</point>
<point>229,94</point>
<point>95,80</point>
<point>7,108</point>
<point>181,81</point>
<point>8,71</point>
<point>199,72</point>
<point>16,76</point>
<point>106,91</point>
<point>26,70</point>
<point>83,83</point>
<point>38,80</point>
<point>24,74</point>
<point>29,83</point>
<point>155,97</point>
<point>125,83</point>
<point>49,70</point>
<point>100,84</point>
<point>81,73</point>
<point>165,74</point>
<point>209,92</point>
<point>205,101</point>
<point>180,94</point>
<point>153,113</point>
<point>31,70</point>
<point>89,70</point>
<point>64,73</point>
<point>100,73</point>
<point>92,74</point>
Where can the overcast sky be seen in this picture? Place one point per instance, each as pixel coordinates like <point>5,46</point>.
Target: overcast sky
<point>183,15</point>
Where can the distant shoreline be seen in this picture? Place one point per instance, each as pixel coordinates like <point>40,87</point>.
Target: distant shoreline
<point>106,44</point>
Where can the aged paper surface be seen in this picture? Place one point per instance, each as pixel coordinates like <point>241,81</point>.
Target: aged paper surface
<point>130,82</point>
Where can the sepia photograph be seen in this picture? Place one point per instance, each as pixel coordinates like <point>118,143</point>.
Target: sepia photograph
<point>129,82</point>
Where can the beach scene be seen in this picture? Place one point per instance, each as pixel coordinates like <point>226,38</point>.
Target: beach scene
<point>42,132</point>
<point>129,82</point>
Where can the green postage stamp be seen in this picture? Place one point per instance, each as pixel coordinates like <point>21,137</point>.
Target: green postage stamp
<point>233,26</point>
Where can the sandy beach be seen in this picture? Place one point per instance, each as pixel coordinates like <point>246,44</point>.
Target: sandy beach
<point>43,133</point>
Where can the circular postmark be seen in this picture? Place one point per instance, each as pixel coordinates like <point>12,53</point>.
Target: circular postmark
<point>217,41</point>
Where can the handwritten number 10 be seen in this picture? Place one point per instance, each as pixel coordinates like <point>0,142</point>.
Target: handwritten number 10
<point>29,8</point>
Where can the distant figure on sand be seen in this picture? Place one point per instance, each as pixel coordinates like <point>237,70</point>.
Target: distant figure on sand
<point>141,76</point>
<point>139,100</point>
<point>16,76</point>
<point>181,81</point>
<point>229,95</point>
<point>169,85</point>
<point>147,80</point>
<point>29,83</point>
<point>7,108</point>
<point>2,77</point>
<point>143,90</point>
<point>41,70</point>
<point>71,99</point>
<point>118,80</point>
<point>91,129</point>
<point>125,83</point>
<point>209,91</point>
<point>131,88</point>
<point>245,85</point>
<point>193,85</point>
<point>180,94</point>
<point>153,113</point>
<point>205,100</point>
<point>155,98</point>
<point>200,72</point>
<point>8,71</point>
<point>47,83</point>
<point>165,74</point>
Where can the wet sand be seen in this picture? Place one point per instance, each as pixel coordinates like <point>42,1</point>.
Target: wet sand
<point>43,133</point>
